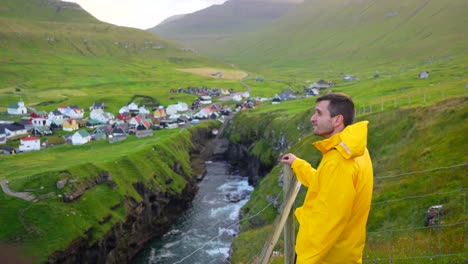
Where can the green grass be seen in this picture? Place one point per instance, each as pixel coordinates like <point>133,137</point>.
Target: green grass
<point>44,227</point>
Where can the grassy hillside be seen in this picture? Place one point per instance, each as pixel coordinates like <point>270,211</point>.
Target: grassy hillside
<point>419,160</point>
<point>54,53</point>
<point>321,36</point>
<point>37,229</point>
<point>223,22</point>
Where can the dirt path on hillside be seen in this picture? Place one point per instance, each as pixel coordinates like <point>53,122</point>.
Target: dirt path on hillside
<point>23,195</point>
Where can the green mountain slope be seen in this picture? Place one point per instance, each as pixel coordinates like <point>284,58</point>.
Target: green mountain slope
<point>53,52</point>
<point>223,22</point>
<point>328,34</point>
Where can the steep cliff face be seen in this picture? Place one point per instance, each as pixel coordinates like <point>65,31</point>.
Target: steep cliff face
<point>248,165</point>
<point>255,148</point>
<point>146,220</point>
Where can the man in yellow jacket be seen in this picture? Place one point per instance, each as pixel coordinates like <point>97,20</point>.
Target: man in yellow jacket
<point>334,215</point>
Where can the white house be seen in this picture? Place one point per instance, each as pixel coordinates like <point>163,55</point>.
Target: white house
<point>143,111</point>
<point>423,75</point>
<point>133,107</point>
<point>29,143</point>
<point>97,105</point>
<point>80,137</point>
<point>321,85</point>
<point>17,108</point>
<point>205,99</point>
<point>237,97</point>
<point>175,108</point>
<point>124,109</point>
<point>71,111</point>
<point>14,129</point>
<point>101,116</point>
<point>55,115</point>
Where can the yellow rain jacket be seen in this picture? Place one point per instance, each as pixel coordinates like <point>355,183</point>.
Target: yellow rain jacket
<point>334,215</point>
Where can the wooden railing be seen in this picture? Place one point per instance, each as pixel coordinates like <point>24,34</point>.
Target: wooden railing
<point>284,221</point>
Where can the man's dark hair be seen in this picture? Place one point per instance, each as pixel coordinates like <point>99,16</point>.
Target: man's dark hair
<point>340,104</point>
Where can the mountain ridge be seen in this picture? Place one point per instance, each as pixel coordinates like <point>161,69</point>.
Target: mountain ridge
<point>322,32</point>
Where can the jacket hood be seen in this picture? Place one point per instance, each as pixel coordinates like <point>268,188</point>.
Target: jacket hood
<point>351,142</point>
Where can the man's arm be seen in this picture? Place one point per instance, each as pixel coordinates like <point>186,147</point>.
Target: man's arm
<point>301,168</point>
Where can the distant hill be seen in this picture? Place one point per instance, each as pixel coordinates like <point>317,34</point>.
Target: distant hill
<point>67,27</point>
<point>52,51</point>
<point>223,22</point>
<point>172,18</point>
<point>327,32</point>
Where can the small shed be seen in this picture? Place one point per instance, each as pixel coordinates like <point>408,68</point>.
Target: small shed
<point>423,75</point>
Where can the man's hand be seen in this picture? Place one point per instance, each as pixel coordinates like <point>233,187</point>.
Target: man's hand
<point>288,159</point>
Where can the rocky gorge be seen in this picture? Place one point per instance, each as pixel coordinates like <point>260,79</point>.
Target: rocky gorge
<point>153,216</point>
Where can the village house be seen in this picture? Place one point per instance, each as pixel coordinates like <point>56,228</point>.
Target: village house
<point>56,124</point>
<point>13,129</point>
<point>125,116</point>
<point>27,125</point>
<point>101,116</point>
<point>71,111</point>
<point>97,105</point>
<point>133,108</point>
<point>17,108</point>
<point>55,115</point>
<point>311,92</point>
<point>7,150</point>
<point>276,100</point>
<point>423,75</point>
<point>160,113</point>
<point>124,109</point>
<point>287,95</point>
<point>29,143</point>
<point>98,134</point>
<point>322,84</point>
<point>80,137</point>
<point>39,118</point>
<point>142,111</point>
<point>70,125</point>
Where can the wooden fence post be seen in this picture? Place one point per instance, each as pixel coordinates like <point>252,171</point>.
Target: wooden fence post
<point>280,221</point>
<point>289,232</point>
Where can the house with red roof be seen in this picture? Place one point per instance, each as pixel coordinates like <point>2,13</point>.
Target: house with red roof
<point>29,143</point>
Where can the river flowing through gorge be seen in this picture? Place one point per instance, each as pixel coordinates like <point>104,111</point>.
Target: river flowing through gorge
<point>203,234</point>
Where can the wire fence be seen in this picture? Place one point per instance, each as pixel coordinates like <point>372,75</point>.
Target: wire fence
<point>420,97</point>
<point>397,230</point>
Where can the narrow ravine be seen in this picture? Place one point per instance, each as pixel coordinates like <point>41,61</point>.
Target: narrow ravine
<point>204,233</point>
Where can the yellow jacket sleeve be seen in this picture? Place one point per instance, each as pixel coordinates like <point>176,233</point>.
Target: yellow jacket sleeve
<point>303,171</point>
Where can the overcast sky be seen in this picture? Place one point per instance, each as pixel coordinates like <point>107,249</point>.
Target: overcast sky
<point>141,14</point>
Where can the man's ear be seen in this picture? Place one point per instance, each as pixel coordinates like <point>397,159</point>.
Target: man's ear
<point>339,120</point>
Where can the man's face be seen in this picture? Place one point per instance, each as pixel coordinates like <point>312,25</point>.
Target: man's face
<point>322,123</point>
